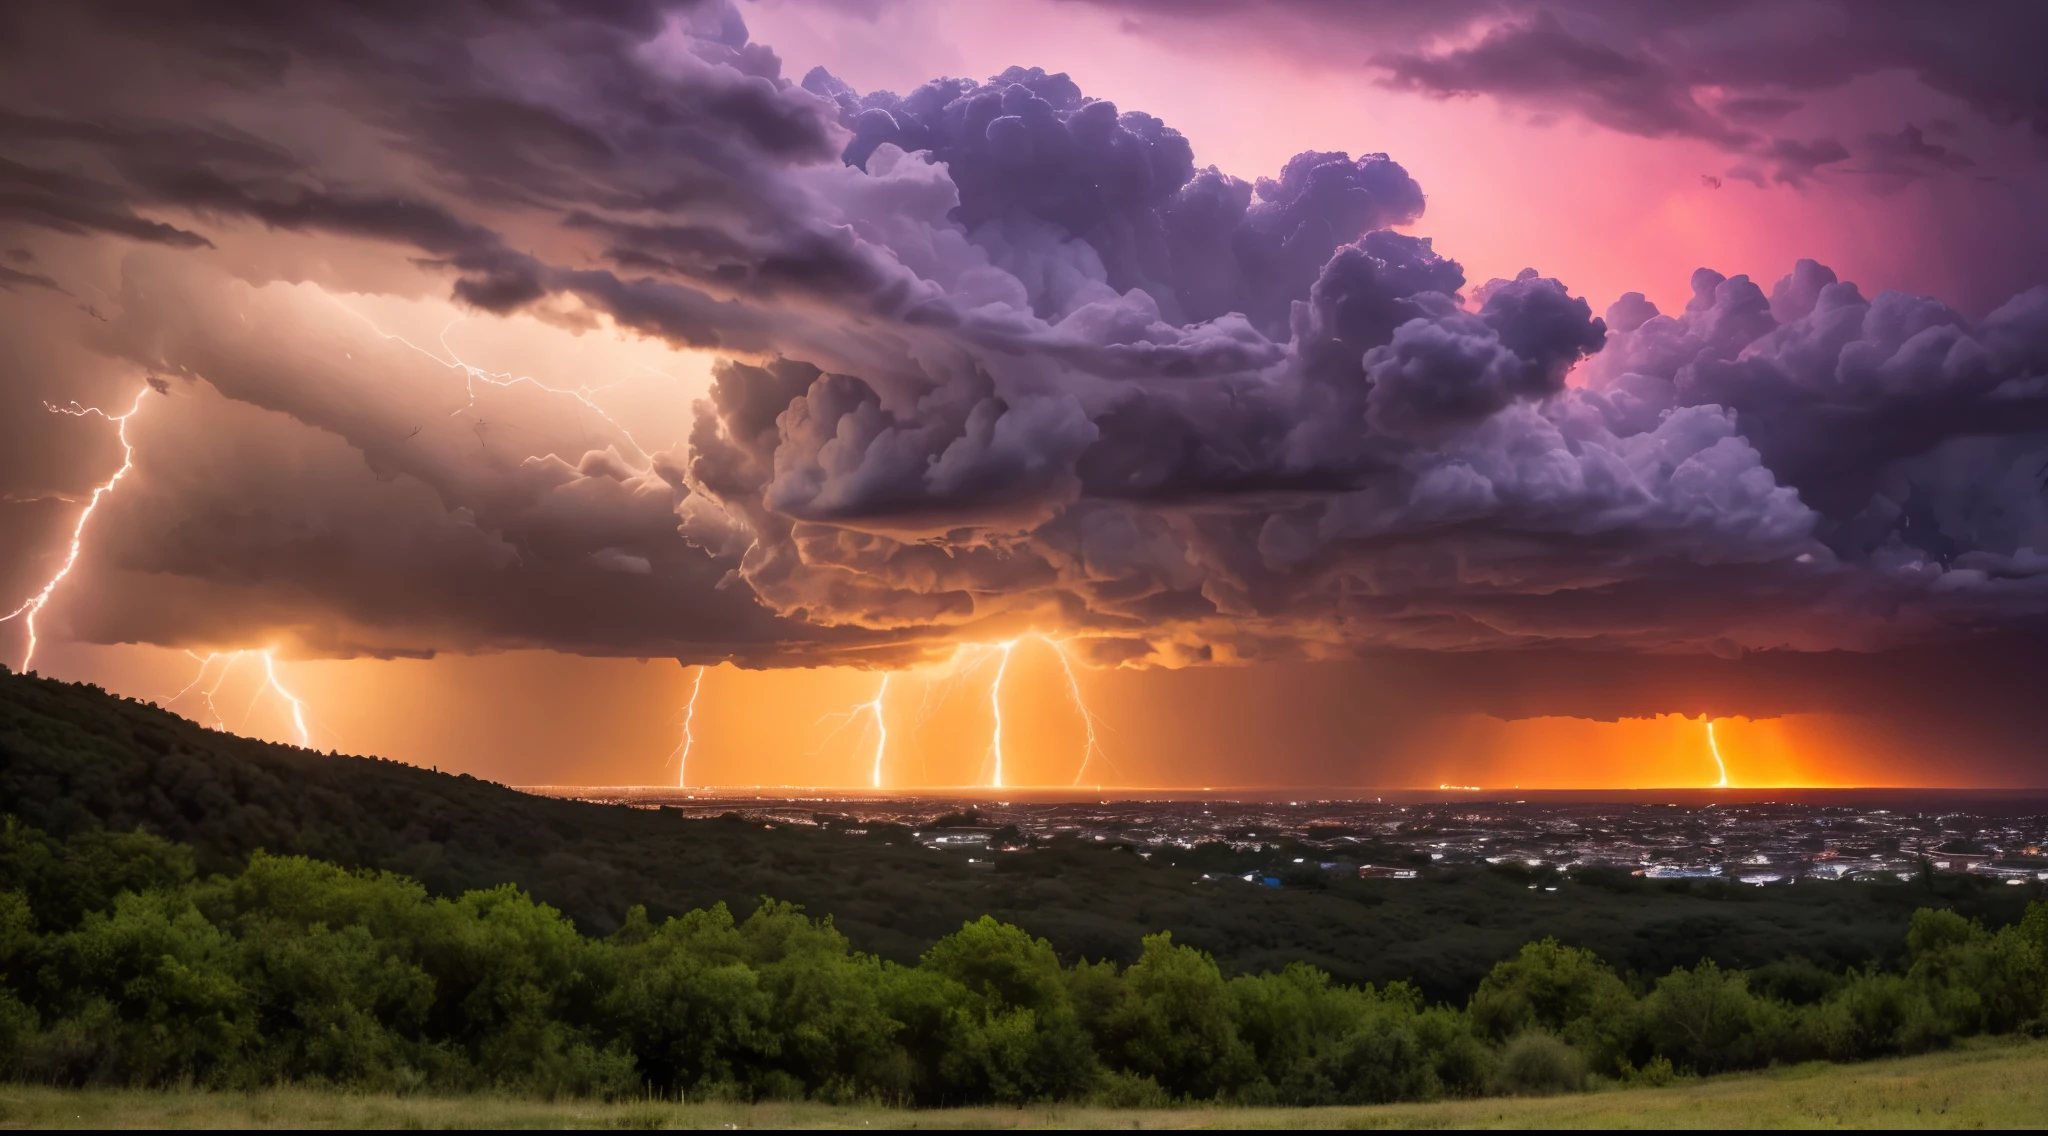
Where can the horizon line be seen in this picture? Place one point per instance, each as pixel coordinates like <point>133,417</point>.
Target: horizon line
<point>1462,791</point>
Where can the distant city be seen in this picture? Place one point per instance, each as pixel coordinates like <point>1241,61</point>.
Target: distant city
<point>1759,839</point>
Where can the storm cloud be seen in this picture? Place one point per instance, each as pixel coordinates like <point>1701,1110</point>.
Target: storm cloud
<point>996,357</point>
<point>1733,75</point>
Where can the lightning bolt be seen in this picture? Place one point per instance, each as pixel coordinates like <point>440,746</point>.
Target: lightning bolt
<point>1092,748</point>
<point>35,604</point>
<point>1714,747</point>
<point>681,753</point>
<point>270,683</point>
<point>298,706</point>
<point>864,713</point>
<point>206,695</point>
<point>995,702</point>
<point>874,706</point>
<point>472,375</point>
<point>196,680</point>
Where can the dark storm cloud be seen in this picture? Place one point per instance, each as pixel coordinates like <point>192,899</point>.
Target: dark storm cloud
<point>219,173</point>
<point>461,89</point>
<point>1003,358</point>
<point>1724,73</point>
<point>13,278</point>
<point>1613,85</point>
<point>457,133</point>
<point>299,475</point>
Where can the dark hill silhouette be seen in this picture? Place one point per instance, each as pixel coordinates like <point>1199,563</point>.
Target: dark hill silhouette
<point>74,757</point>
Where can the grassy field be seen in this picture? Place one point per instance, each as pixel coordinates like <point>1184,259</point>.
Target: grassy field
<point>1989,1085</point>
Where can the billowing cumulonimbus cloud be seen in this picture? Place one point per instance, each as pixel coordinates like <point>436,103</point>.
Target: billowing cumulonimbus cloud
<point>1001,358</point>
<point>1403,464</point>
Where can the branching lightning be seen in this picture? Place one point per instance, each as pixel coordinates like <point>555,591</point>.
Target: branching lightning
<point>472,375</point>
<point>206,695</point>
<point>874,708</point>
<point>681,753</point>
<point>869,714</point>
<point>35,604</point>
<point>1714,747</point>
<point>270,683</point>
<point>978,655</point>
<point>1092,748</point>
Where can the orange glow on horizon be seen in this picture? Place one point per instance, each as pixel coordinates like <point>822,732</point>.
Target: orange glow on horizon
<point>1668,751</point>
<point>537,718</point>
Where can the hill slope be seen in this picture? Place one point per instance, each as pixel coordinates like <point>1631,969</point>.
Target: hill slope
<point>73,756</point>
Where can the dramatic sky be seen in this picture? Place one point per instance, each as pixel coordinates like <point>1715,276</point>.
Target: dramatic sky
<point>1207,392</point>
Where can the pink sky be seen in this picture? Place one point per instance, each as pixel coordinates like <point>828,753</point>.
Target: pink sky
<point>1606,213</point>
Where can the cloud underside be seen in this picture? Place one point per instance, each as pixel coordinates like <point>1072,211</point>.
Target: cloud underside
<point>995,358</point>
<point>1741,77</point>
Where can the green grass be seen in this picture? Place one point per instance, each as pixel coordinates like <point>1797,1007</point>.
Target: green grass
<point>1998,1085</point>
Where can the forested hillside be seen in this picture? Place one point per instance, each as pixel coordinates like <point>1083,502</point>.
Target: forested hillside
<point>120,966</point>
<point>74,758</point>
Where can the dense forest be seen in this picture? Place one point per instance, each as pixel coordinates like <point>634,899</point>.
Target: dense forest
<point>124,966</point>
<point>74,758</point>
<point>179,905</point>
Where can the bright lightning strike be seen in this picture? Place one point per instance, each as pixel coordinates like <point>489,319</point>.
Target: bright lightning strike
<point>1092,744</point>
<point>270,683</point>
<point>874,706</point>
<point>1092,748</point>
<point>1714,747</point>
<point>682,751</point>
<point>866,713</point>
<point>298,706</point>
<point>995,701</point>
<point>35,604</point>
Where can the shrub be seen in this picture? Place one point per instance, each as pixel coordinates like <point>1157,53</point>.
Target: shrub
<point>1655,1074</point>
<point>1536,1063</point>
<point>1703,1019</point>
<point>1384,1061</point>
<point>1566,991</point>
<point>1177,1023</point>
<point>1117,1089</point>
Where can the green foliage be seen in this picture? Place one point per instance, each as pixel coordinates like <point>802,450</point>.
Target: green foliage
<point>62,880</point>
<point>1177,1023</point>
<point>383,949</point>
<point>1538,1063</point>
<point>1565,991</point>
<point>1655,1074</point>
<point>1009,1030</point>
<point>1976,981</point>
<point>76,762</point>
<point>292,970</point>
<point>1704,1018</point>
<point>1383,1060</point>
<point>17,1033</point>
<point>1128,1090</point>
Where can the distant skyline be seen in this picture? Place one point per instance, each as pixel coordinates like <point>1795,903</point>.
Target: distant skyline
<point>1380,394</point>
